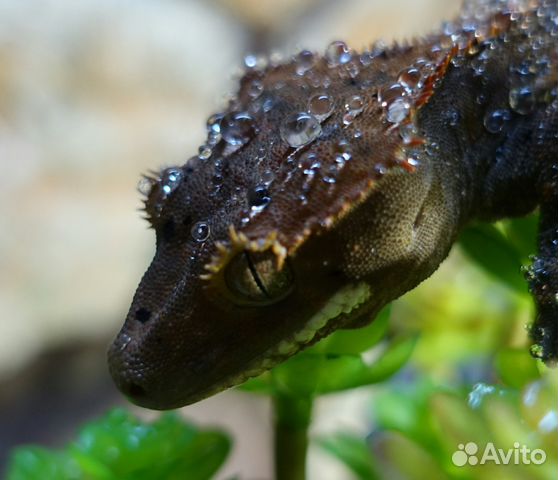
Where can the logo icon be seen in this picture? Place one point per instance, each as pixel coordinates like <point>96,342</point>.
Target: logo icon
<point>519,454</point>
<point>465,454</point>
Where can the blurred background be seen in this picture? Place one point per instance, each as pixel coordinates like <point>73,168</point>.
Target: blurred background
<point>95,92</point>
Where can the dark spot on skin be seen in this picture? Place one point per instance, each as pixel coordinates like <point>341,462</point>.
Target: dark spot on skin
<point>143,315</point>
<point>168,230</point>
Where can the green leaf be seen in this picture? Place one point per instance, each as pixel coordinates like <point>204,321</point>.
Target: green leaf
<point>121,447</point>
<point>315,373</point>
<point>522,234</point>
<point>261,385</point>
<point>352,451</point>
<point>516,367</point>
<point>400,457</point>
<point>37,463</point>
<point>392,360</point>
<point>488,246</point>
<point>352,342</point>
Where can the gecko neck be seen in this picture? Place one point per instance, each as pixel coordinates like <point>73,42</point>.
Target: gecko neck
<point>480,145</point>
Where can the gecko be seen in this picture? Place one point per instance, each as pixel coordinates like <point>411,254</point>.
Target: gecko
<point>332,184</point>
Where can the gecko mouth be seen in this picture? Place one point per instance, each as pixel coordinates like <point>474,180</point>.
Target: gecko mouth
<point>344,302</point>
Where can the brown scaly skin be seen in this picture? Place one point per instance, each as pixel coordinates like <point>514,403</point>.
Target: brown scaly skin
<point>259,233</point>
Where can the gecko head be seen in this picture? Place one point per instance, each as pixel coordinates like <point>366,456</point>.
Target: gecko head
<point>299,216</point>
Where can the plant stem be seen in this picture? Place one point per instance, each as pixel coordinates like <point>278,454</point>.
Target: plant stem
<point>292,419</point>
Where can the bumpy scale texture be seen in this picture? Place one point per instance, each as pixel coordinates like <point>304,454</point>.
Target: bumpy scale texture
<point>331,185</point>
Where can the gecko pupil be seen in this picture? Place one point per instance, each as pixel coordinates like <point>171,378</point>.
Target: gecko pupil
<point>253,278</point>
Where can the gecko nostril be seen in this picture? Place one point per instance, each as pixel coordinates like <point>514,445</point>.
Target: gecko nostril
<point>143,315</point>
<point>134,390</point>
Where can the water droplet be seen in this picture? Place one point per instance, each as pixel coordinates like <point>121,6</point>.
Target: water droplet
<point>337,53</point>
<point>310,165</point>
<point>409,78</point>
<point>348,118</point>
<point>453,116</point>
<point>522,100</point>
<point>355,105</point>
<point>537,351</point>
<point>407,132</point>
<point>250,61</point>
<point>124,341</point>
<point>330,177</point>
<point>413,161</point>
<point>299,129</point>
<point>200,231</point>
<point>170,180</point>
<point>214,123</point>
<point>480,390</point>
<point>308,161</point>
<point>258,198</point>
<point>321,106</point>
<point>267,177</point>
<point>255,88</point>
<point>204,152</point>
<point>267,104</point>
<point>237,128</point>
<point>145,185</point>
<point>398,110</point>
<point>388,95</point>
<point>304,61</point>
<point>380,169</point>
<point>495,120</point>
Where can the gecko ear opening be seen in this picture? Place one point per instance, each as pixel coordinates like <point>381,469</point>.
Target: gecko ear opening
<point>253,278</point>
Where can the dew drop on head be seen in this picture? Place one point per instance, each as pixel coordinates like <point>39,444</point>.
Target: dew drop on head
<point>300,128</point>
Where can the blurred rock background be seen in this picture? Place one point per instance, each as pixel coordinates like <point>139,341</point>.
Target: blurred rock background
<point>92,93</point>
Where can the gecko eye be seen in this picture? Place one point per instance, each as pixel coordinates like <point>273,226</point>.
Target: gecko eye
<point>253,279</point>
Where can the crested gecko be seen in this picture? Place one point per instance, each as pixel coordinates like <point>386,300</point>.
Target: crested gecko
<point>334,183</point>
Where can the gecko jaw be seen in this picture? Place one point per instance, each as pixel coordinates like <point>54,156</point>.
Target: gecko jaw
<point>343,302</point>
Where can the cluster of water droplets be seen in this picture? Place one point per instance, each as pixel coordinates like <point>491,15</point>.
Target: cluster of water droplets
<point>533,30</point>
<point>537,403</point>
<point>156,189</point>
<point>317,79</point>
